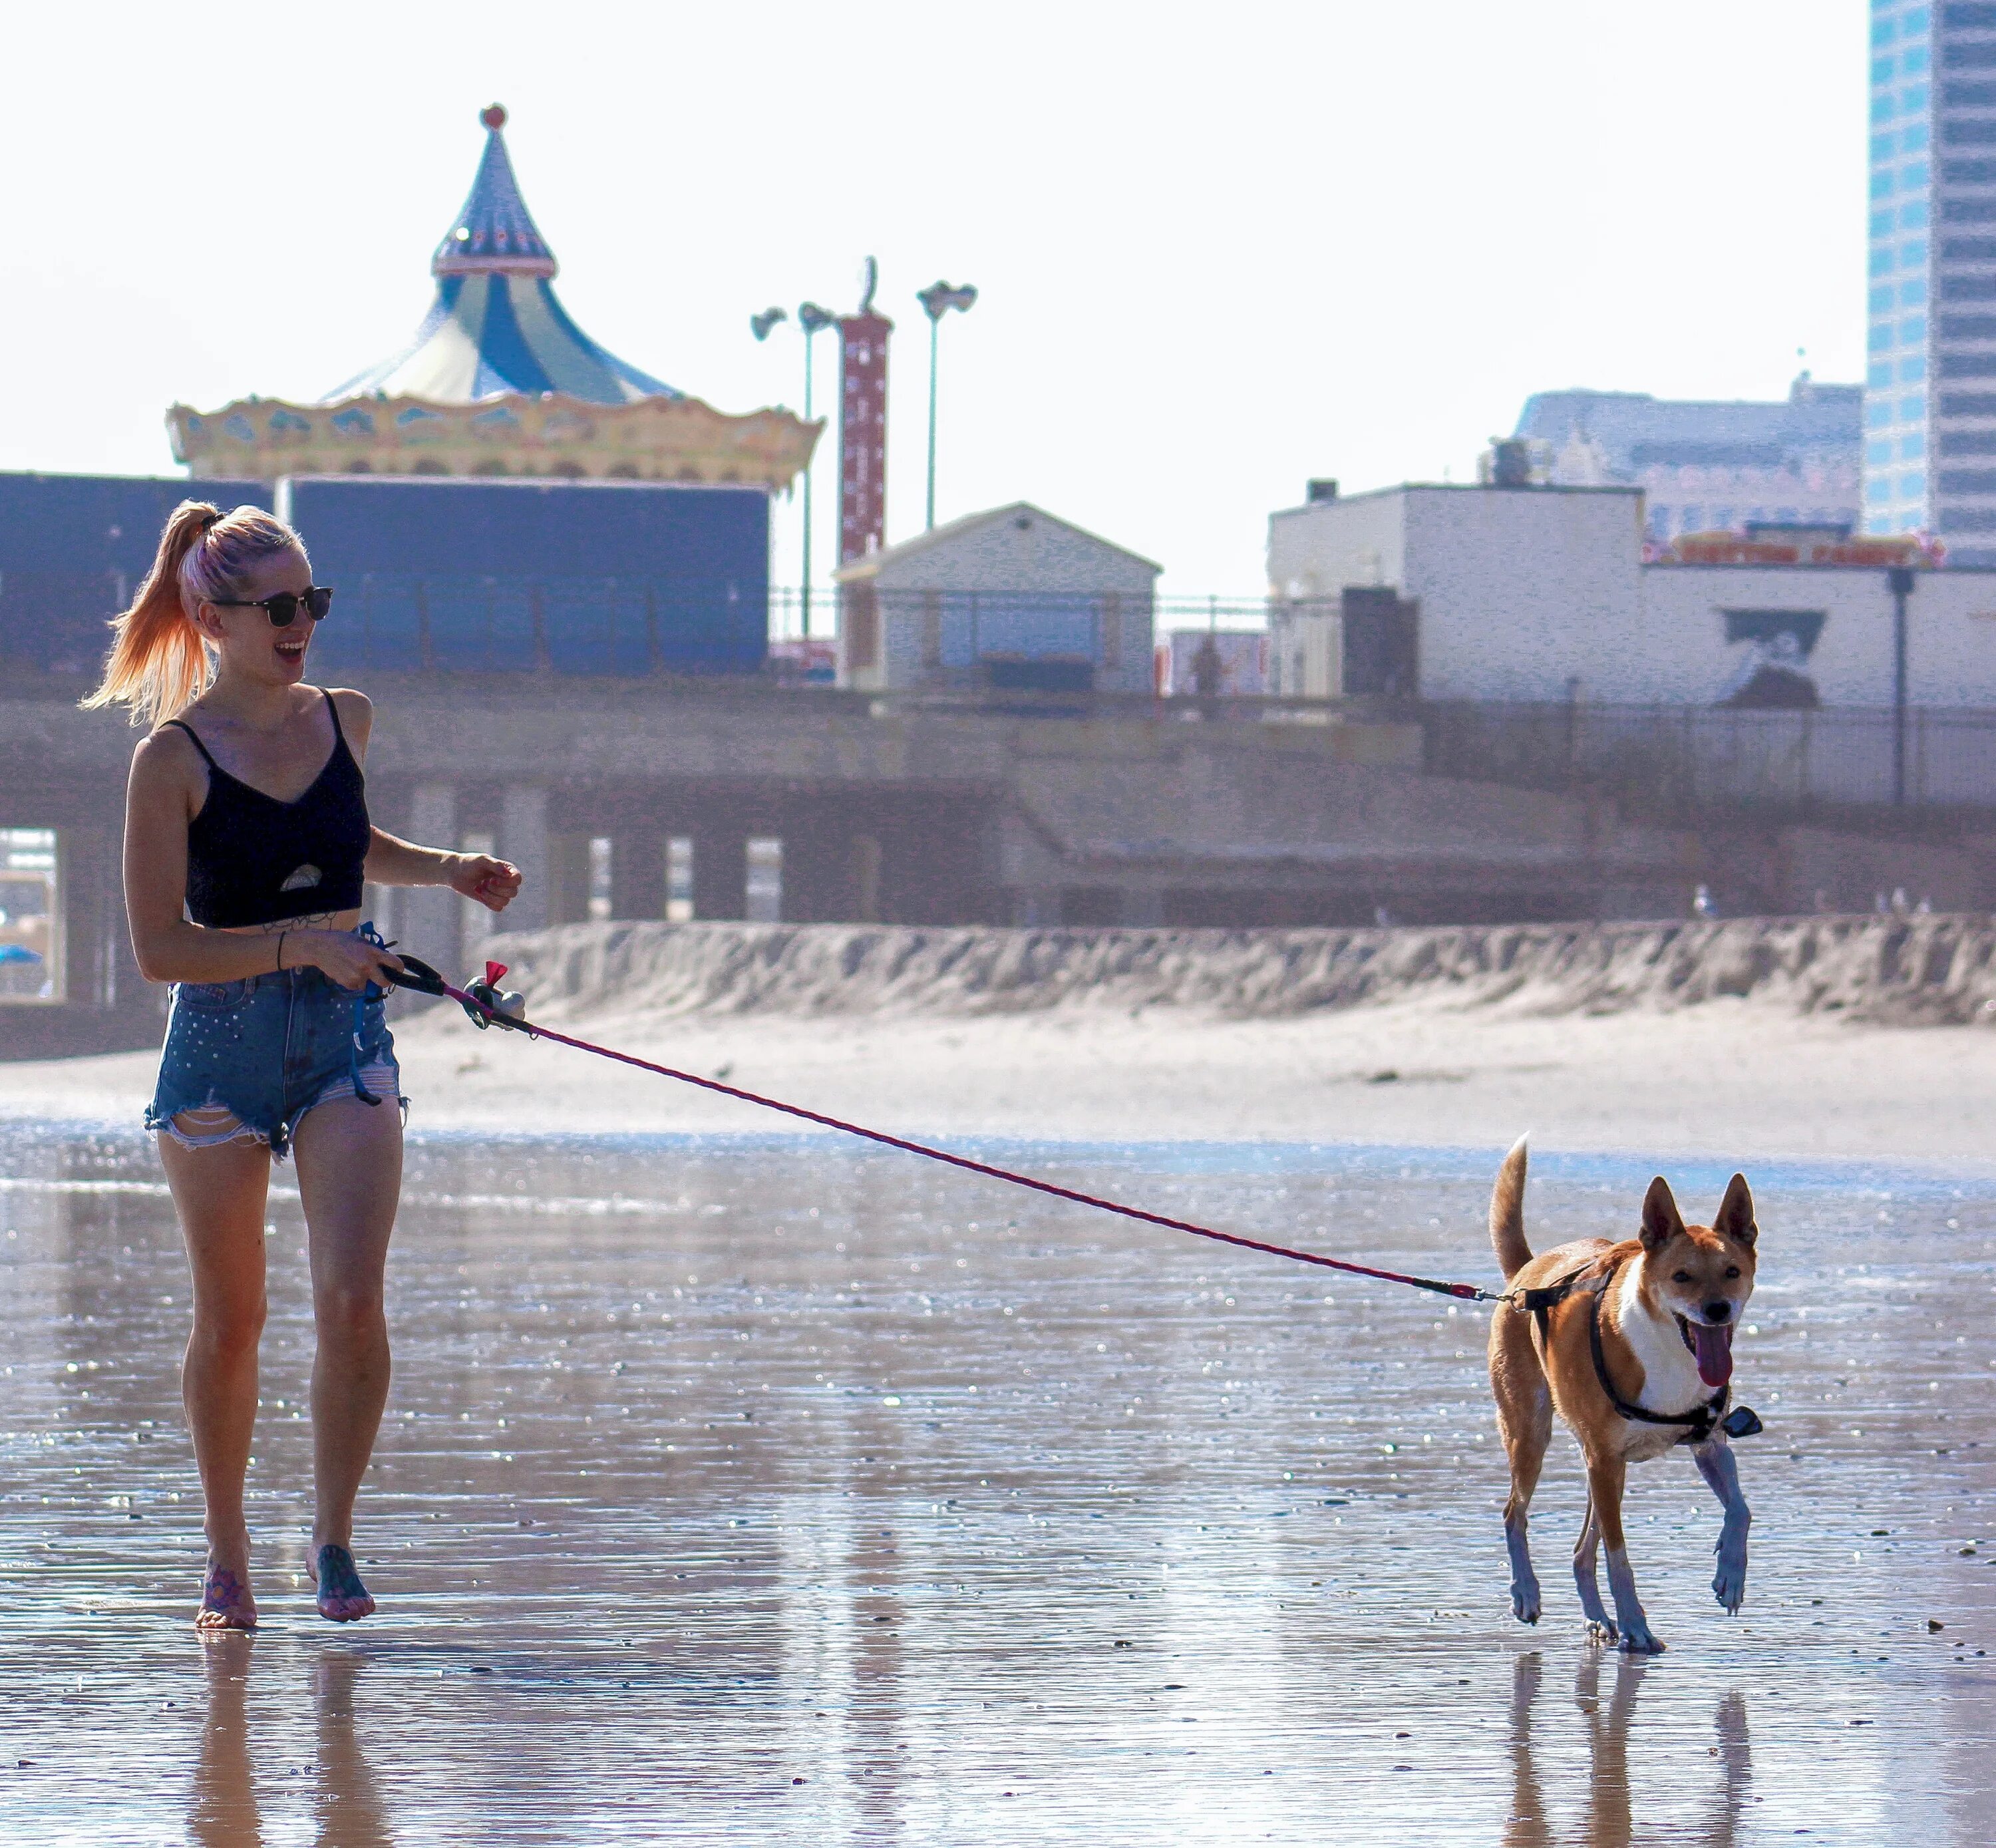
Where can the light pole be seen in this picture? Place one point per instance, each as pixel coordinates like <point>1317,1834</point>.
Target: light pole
<point>937,300</point>
<point>813,320</point>
<point>760,325</point>
<point>1899,578</point>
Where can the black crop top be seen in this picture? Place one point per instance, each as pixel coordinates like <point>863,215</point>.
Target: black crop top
<point>252,859</point>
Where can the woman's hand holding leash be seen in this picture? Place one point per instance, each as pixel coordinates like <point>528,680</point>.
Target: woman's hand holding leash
<point>350,960</point>
<point>494,883</point>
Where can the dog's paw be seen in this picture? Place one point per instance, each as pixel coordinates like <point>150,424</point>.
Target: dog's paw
<point>1637,1639</point>
<point>1729,1586</point>
<point>1525,1602</point>
<point>1600,1632</point>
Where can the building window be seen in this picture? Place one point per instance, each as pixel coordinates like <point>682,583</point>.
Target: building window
<point>1912,369</point>
<point>1913,331</point>
<point>31,934</point>
<point>1877,413</point>
<point>1878,452</point>
<point>1883,294</point>
<point>1913,255</point>
<point>1877,493</point>
<point>1881,223</point>
<point>1914,139</point>
<point>1882,187</point>
<point>1913,448</point>
<point>678,878</point>
<point>1913,487</point>
<point>1913,292</point>
<point>1883,259</point>
<point>1913,215</point>
<point>766,879</point>
<point>1913,410</point>
<point>1881,336</point>
<point>1880,373</point>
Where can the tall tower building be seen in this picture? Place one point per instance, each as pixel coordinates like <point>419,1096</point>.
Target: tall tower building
<point>1930,380</point>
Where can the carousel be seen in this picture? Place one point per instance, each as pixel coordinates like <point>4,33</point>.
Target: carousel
<point>498,380</point>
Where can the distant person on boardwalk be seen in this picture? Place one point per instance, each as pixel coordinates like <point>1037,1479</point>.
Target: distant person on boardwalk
<point>246,842</point>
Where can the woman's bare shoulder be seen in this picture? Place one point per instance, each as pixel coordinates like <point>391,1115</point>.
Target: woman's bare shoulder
<point>356,716</point>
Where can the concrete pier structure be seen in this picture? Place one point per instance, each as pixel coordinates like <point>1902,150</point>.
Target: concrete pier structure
<point>1136,814</point>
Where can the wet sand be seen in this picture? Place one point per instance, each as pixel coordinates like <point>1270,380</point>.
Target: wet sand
<point>767,1489</point>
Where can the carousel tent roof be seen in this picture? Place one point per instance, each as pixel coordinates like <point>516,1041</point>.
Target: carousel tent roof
<point>496,326</point>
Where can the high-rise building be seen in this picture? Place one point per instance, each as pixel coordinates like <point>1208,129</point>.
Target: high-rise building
<point>1930,380</point>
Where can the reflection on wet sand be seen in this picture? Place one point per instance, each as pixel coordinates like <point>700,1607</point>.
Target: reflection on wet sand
<point>1612,1807</point>
<point>791,1499</point>
<point>347,1798</point>
<point>223,1810</point>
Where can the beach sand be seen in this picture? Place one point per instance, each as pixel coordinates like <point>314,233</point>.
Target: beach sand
<point>1727,1080</point>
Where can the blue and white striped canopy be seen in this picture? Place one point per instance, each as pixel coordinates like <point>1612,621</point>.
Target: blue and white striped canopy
<point>497,325</point>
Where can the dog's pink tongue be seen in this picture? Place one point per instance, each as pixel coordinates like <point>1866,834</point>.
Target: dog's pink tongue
<point>1713,1347</point>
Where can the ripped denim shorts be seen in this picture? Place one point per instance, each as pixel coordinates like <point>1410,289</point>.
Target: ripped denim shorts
<point>245,1060</point>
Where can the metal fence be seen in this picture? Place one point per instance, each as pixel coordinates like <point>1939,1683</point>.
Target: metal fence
<point>1655,759</point>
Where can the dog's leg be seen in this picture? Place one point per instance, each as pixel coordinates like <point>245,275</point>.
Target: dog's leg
<point>1586,1555</point>
<point>1721,1473</point>
<point>1527,1431</point>
<point>1525,1422</point>
<point>1607,1474</point>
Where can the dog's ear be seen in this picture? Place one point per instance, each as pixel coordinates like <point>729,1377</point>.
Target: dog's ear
<point>1736,1213</point>
<point>1661,1220</point>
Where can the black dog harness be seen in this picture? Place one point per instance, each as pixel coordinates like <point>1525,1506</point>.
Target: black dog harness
<point>1698,1425</point>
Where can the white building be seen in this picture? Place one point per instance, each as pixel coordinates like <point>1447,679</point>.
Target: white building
<point>1012,598</point>
<point>1543,594</point>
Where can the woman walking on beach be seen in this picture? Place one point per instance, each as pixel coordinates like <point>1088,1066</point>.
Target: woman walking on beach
<point>246,841</point>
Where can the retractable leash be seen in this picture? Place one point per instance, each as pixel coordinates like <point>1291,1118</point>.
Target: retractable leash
<point>488,1007</point>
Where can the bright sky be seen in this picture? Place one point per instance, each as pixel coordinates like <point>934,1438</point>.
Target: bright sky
<point>1219,250</point>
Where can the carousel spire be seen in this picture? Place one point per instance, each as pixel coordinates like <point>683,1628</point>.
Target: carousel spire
<point>494,233</point>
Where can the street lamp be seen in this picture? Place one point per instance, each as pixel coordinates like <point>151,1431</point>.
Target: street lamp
<point>1899,578</point>
<point>759,324</point>
<point>813,320</point>
<point>937,300</point>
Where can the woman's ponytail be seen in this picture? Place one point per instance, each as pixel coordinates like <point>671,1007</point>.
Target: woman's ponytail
<point>159,661</point>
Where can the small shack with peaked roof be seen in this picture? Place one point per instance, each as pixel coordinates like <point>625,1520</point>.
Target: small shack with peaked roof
<point>1012,599</point>
<point>498,381</point>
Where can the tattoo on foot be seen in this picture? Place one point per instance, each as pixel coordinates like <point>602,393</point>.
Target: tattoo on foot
<point>225,1602</point>
<point>342,1599</point>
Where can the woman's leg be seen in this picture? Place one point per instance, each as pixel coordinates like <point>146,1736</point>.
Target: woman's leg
<point>349,1163</point>
<point>219,1194</point>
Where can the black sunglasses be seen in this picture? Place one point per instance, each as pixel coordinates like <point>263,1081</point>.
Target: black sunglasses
<point>283,609</point>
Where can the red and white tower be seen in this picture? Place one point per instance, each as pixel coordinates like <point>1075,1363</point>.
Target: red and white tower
<point>862,427</point>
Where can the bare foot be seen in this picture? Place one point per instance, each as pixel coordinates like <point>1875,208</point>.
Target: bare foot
<point>342,1599</point>
<point>225,1601</point>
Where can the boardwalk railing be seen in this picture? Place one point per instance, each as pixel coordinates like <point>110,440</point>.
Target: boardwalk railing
<point>1681,758</point>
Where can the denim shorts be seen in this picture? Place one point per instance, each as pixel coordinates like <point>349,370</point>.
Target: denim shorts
<point>245,1060</point>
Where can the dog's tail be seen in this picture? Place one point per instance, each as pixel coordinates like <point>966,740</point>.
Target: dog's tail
<point>1507,1212</point>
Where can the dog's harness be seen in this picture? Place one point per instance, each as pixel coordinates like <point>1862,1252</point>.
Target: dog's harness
<point>1699,1424</point>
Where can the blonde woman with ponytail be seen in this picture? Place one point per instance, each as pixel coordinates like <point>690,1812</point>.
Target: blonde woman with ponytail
<point>246,842</point>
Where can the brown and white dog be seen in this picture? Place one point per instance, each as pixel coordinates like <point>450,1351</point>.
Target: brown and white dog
<point>1665,1313</point>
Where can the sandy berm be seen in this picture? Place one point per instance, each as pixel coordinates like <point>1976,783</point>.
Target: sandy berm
<point>1868,1038</point>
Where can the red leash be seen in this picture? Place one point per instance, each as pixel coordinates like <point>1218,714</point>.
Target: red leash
<point>480,1004</point>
